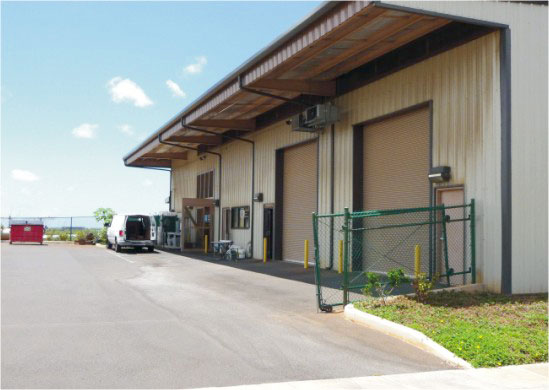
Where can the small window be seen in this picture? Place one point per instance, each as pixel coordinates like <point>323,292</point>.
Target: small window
<point>204,185</point>
<point>240,217</point>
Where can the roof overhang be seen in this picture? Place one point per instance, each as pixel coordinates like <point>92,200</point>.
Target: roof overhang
<point>337,38</point>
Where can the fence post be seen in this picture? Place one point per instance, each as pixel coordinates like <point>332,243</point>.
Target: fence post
<point>264,249</point>
<point>346,228</point>
<point>70,231</point>
<point>432,242</point>
<point>445,244</point>
<point>317,261</point>
<point>473,244</point>
<point>417,260</point>
<point>206,244</point>
<point>306,255</point>
<point>340,257</point>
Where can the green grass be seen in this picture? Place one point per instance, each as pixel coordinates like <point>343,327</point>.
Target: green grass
<point>487,330</point>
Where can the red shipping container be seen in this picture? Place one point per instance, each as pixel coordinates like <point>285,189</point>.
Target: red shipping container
<point>27,231</point>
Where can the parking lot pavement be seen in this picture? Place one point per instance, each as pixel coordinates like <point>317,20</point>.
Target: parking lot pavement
<point>80,316</point>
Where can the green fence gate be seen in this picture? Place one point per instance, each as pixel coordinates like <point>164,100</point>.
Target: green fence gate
<point>350,244</point>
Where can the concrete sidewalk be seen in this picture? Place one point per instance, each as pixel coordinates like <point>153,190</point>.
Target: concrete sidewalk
<point>531,376</point>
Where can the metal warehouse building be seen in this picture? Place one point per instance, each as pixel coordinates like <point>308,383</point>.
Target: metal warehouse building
<point>416,86</point>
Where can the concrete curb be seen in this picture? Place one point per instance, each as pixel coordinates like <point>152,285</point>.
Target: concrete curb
<point>405,334</point>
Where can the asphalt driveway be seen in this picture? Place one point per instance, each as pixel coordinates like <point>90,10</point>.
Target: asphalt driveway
<point>80,316</point>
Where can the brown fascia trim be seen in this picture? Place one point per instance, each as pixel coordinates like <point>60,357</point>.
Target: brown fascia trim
<point>327,17</point>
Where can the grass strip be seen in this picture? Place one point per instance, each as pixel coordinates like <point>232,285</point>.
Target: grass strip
<point>487,330</point>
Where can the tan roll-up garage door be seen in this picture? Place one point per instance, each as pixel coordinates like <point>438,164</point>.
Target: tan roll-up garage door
<point>395,176</point>
<point>396,162</point>
<point>299,199</point>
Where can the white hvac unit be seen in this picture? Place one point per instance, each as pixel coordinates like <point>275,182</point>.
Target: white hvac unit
<point>315,118</point>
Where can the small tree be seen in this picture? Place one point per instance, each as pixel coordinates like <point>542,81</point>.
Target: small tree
<point>374,284</point>
<point>103,215</point>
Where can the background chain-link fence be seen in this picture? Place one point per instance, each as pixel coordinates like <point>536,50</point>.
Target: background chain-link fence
<point>349,245</point>
<point>58,228</point>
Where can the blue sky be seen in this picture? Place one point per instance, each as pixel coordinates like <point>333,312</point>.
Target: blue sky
<point>84,83</point>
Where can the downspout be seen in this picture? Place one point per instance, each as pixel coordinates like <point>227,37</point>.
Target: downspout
<point>332,186</point>
<point>219,178</point>
<point>236,138</point>
<point>261,93</point>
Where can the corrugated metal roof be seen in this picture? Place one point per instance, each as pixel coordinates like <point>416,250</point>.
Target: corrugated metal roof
<point>320,11</point>
<point>336,38</point>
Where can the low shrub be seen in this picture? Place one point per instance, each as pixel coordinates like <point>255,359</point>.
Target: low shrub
<point>375,285</point>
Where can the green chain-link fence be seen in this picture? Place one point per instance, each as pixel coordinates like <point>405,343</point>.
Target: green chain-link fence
<point>349,245</point>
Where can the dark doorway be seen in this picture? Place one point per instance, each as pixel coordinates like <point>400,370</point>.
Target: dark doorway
<point>268,229</point>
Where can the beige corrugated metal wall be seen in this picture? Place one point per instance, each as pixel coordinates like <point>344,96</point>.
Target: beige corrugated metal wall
<point>528,25</point>
<point>267,141</point>
<point>396,162</point>
<point>463,85</point>
<point>236,183</point>
<point>299,199</point>
<point>184,177</point>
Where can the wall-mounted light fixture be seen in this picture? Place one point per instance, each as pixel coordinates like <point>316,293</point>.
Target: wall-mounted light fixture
<point>216,202</point>
<point>439,174</point>
<point>258,197</point>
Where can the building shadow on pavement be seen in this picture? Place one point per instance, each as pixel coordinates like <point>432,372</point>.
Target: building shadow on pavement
<point>276,268</point>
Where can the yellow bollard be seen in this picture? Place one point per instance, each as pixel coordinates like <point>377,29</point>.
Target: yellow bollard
<point>340,257</point>
<point>206,244</point>
<point>306,255</point>
<point>417,258</point>
<point>265,249</point>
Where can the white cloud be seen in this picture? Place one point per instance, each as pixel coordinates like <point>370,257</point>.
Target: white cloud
<point>85,130</point>
<point>126,90</point>
<point>21,175</point>
<point>70,188</point>
<point>126,129</point>
<point>147,183</point>
<point>176,89</point>
<point>197,66</point>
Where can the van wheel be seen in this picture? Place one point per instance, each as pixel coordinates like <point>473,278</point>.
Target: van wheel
<point>150,248</point>
<point>117,248</point>
<point>109,245</point>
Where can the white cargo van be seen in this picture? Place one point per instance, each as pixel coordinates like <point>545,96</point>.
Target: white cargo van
<point>131,230</point>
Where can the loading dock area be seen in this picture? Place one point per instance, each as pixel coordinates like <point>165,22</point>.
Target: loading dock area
<point>376,105</point>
